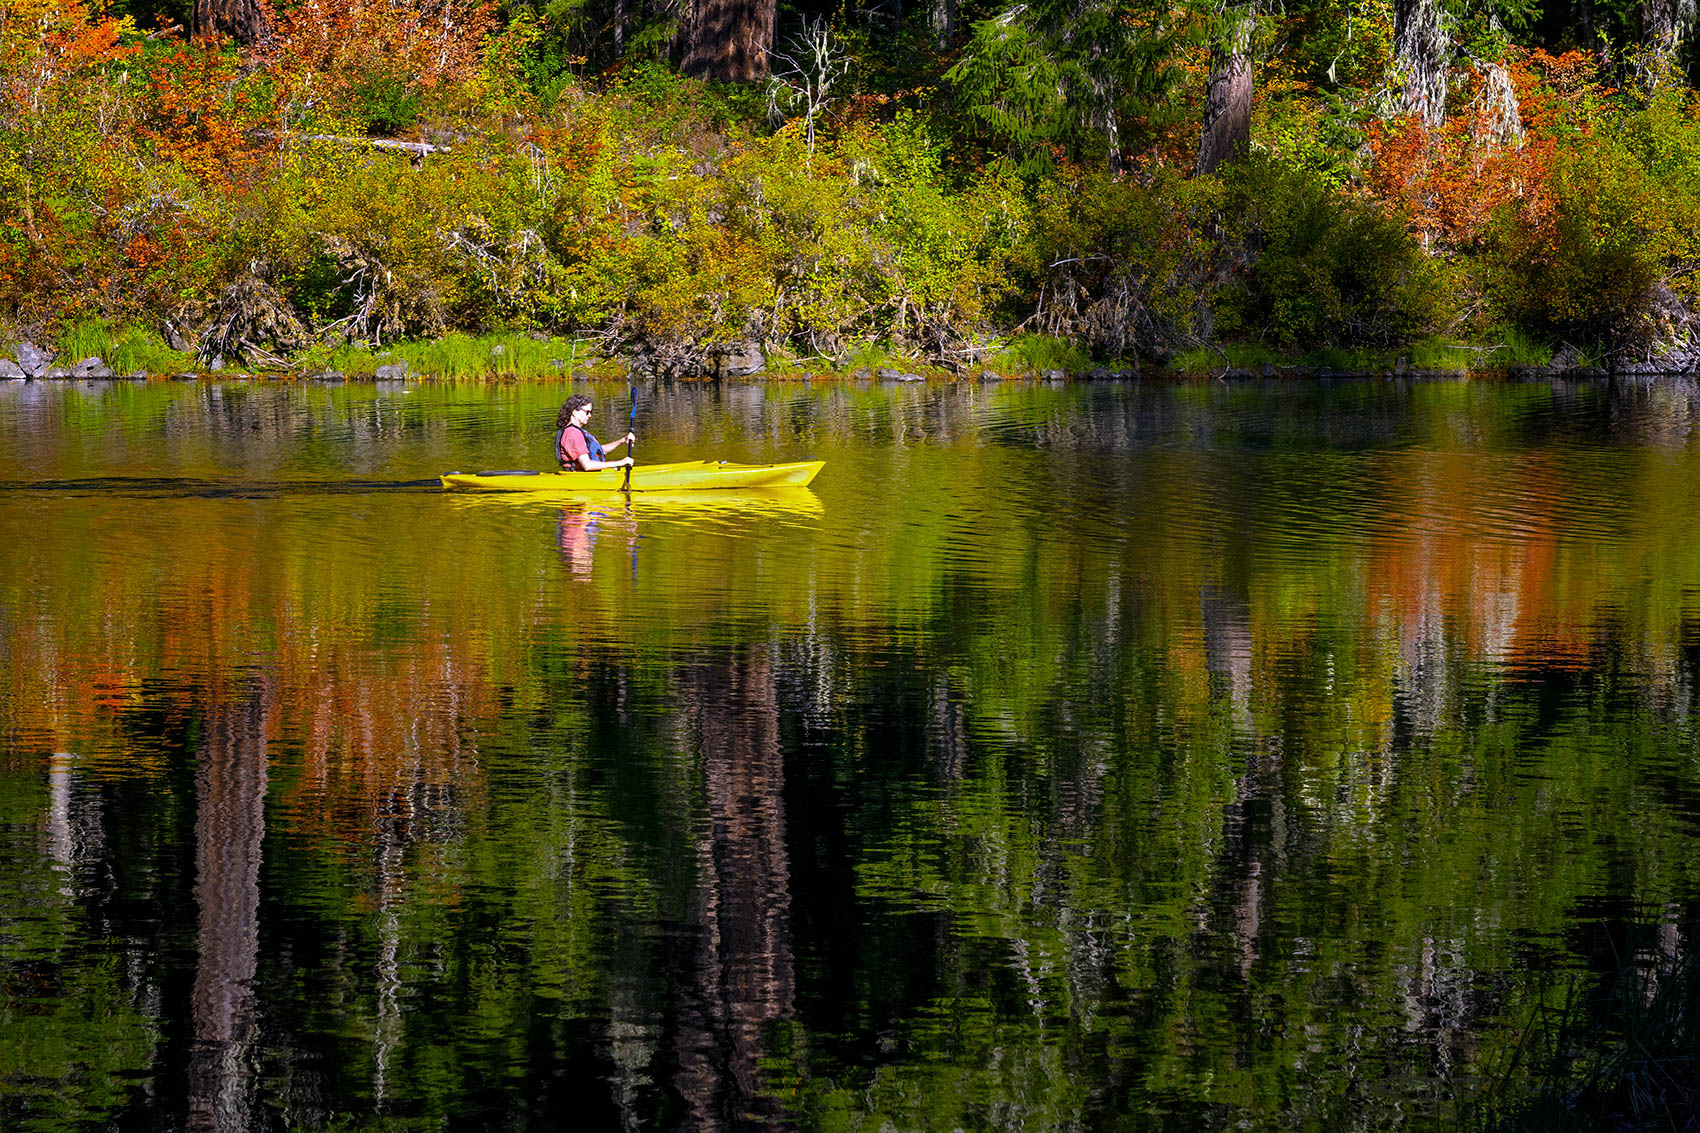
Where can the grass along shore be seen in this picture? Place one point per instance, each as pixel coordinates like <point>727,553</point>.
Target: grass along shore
<point>134,351</point>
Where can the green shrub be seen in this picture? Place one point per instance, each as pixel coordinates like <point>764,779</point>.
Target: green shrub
<point>1576,262</point>
<point>1121,264</point>
<point>1323,269</point>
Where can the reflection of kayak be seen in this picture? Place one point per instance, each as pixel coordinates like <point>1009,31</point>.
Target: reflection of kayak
<point>736,503</point>
<point>689,475</point>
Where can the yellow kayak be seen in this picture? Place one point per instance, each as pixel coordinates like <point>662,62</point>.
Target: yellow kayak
<point>680,476</point>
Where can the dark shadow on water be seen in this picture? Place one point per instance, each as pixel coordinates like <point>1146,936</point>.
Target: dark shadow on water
<point>176,487</point>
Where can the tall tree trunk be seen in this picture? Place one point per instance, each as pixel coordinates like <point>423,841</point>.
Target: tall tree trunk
<point>241,20</point>
<point>1227,97</point>
<point>1658,21</point>
<point>943,20</point>
<point>727,39</point>
<point>1421,49</point>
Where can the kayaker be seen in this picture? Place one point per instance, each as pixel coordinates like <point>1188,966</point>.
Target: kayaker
<point>575,448</point>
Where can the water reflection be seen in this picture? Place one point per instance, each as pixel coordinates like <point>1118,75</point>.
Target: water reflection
<point>230,827</point>
<point>1203,755</point>
<point>741,975</point>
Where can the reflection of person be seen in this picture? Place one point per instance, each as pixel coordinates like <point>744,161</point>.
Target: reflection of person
<point>576,537</point>
<point>575,448</point>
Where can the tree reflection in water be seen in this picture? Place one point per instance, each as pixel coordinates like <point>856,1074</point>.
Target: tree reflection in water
<point>741,975</point>
<point>230,827</point>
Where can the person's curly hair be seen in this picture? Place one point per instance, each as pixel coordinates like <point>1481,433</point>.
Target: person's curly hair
<point>572,405</point>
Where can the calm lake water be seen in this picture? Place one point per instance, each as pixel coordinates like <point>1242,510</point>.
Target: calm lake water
<point>1088,757</point>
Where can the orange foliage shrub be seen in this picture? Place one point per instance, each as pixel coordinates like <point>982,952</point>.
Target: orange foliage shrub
<point>1448,182</point>
<point>1556,232</point>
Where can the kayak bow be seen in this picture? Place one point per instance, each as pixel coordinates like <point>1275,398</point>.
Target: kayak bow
<point>680,476</point>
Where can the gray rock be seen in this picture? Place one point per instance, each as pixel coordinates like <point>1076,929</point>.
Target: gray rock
<point>93,368</point>
<point>185,377</point>
<point>394,372</point>
<point>178,337</point>
<point>910,378</point>
<point>990,376</point>
<point>741,360</point>
<point>890,375</point>
<point>32,359</point>
<point>136,376</point>
<point>10,369</point>
<point>1099,374</point>
<point>326,376</point>
<point>1055,376</point>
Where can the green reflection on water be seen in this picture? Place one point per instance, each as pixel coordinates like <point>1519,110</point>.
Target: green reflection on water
<point>1112,756</point>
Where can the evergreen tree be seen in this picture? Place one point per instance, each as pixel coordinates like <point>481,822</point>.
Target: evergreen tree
<point>1084,76</point>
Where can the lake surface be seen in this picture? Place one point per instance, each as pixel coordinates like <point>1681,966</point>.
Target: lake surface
<point>1079,757</point>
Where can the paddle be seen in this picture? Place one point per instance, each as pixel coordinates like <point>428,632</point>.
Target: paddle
<point>631,446</point>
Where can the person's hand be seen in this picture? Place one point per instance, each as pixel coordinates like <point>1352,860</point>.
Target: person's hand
<point>628,462</point>
<point>628,438</point>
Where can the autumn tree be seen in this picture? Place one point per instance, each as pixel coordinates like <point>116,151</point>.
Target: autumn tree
<point>727,40</point>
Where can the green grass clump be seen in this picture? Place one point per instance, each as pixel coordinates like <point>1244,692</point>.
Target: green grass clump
<point>354,360</point>
<point>1202,361</point>
<point>128,350</point>
<point>1514,348</point>
<point>1198,361</point>
<point>92,339</point>
<point>1036,353</point>
<point>1344,361</point>
<point>874,357</point>
<point>1439,352</point>
<point>457,356</point>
